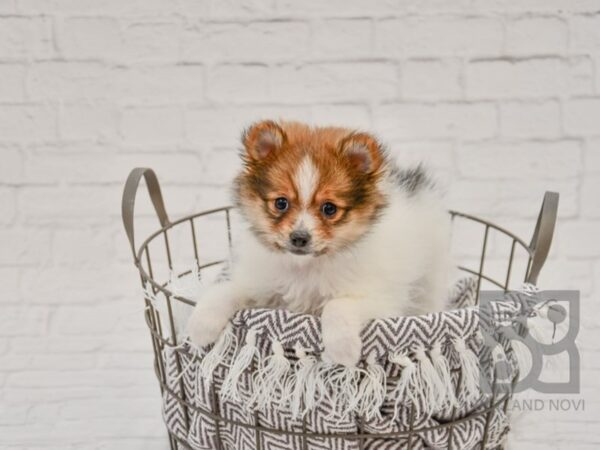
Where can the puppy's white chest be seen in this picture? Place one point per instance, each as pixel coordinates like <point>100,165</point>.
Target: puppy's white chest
<point>306,288</point>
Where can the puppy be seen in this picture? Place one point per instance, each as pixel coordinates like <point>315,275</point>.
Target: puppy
<point>335,229</point>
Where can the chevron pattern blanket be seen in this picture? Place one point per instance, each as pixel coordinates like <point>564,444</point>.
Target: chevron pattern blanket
<point>262,385</point>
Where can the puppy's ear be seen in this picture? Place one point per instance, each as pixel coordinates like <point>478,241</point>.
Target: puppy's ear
<point>363,151</point>
<point>263,139</point>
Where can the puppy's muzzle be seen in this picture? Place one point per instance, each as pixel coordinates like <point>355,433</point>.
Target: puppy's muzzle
<point>300,241</point>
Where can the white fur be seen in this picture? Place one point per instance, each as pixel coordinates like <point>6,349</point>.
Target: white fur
<point>398,268</point>
<point>306,179</point>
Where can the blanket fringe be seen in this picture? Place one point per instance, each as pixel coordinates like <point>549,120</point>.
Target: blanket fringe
<point>471,371</point>
<point>270,379</point>
<point>426,380</point>
<point>442,368</point>
<point>408,386</point>
<point>246,356</point>
<point>306,386</point>
<point>226,343</point>
<point>371,391</point>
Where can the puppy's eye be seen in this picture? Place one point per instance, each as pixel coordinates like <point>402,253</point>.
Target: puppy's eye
<point>281,204</point>
<point>328,209</point>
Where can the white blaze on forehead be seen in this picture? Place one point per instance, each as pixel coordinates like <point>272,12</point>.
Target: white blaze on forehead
<point>306,179</point>
<point>305,221</point>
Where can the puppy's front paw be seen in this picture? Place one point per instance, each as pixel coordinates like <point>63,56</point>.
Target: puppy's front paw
<point>344,350</point>
<point>206,323</point>
<point>204,326</point>
<point>341,336</point>
<point>211,314</point>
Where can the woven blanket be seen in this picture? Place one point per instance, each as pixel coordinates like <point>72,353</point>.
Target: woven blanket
<point>418,376</point>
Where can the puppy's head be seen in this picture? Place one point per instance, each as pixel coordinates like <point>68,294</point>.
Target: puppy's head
<point>309,191</point>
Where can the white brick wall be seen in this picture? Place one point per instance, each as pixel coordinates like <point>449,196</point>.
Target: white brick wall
<point>501,97</point>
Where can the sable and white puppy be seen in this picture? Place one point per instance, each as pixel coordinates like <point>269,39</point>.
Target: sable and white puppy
<point>334,229</point>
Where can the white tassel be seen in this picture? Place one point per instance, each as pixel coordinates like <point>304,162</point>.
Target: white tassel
<point>243,360</point>
<point>343,389</point>
<point>433,387</point>
<point>522,355</point>
<point>443,370</point>
<point>226,342</point>
<point>536,330</point>
<point>371,391</point>
<point>408,385</point>
<point>471,371</point>
<point>305,384</point>
<point>270,379</point>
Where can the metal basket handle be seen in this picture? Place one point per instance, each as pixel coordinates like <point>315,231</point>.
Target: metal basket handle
<point>542,235</point>
<point>128,202</point>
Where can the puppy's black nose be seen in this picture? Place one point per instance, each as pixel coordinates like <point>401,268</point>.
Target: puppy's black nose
<point>300,239</point>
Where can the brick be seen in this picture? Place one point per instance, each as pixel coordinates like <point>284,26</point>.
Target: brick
<point>75,204</point>
<point>24,246</point>
<point>238,8</point>
<point>576,239</point>
<point>431,79</point>
<point>152,126</point>
<point>521,160</point>
<point>114,7</point>
<point>161,84</point>
<point>349,115</point>
<point>584,32</point>
<point>220,166</point>
<point>12,88</point>
<point>208,126</point>
<point>581,116</point>
<point>27,122</point>
<point>25,37</point>
<point>88,121</point>
<point>8,205</point>
<point>527,78</point>
<point>126,361</point>
<point>82,248</point>
<point>9,278</point>
<point>530,119</point>
<point>536,35</point>
<point>336,7</point>
<point>69,80</point>
<point>592,155</point>
<point>342,38</point>
<point>334,82</point>
<point>132,41</point>
<point>47,362</point>
<point>52,166</point>
<point>8,7</point>
<point>421,36</point>
<point>257,41</point>
<point>437,155</point>
<point>108,407</point>
<point>87,284</point>
<point>590,187</point>
<point>178,168</point>
<point>509,198</point>
<point>414,120</point>
<point>89,319</point>
<point>238,83</point>
<point>11,169</point>
<point>73,378</point>
<point>90,37</point>
<point>20,321</point>
<point>152,40</point>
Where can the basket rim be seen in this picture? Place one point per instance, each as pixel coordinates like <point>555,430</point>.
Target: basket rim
<point>162,287</point>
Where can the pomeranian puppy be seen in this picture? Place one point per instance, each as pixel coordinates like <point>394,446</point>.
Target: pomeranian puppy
<point>336,229</point>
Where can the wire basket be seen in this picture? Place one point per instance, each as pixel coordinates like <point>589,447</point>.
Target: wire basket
<point>521,262</point>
